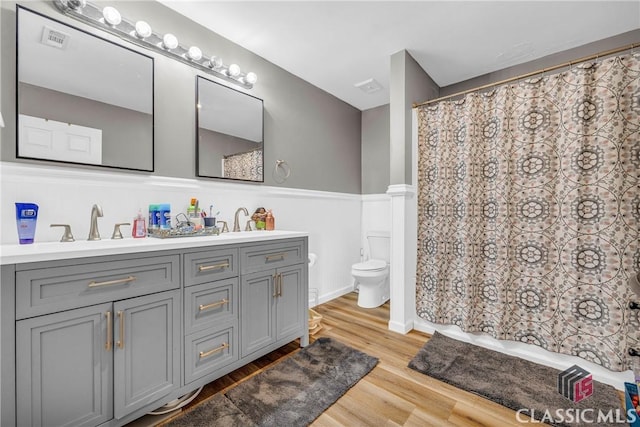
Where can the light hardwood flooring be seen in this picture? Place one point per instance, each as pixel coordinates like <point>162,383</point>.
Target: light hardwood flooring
<point>391,394</point>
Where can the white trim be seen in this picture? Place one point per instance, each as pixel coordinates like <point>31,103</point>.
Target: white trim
<point>335,294</point>
<point>380,197</point>
<point>13,172</point>
<point>401,190</point>
<point>402,328</point>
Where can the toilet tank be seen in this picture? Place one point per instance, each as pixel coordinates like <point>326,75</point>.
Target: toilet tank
<point>379,245</point>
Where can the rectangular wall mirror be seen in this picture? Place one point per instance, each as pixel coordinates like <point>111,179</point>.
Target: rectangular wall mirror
<point>82,99</point>
<point>229,133</point>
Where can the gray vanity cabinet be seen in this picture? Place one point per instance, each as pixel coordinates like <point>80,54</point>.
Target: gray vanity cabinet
<point>273,307</point>
<point>70,364</point>
<point>146,350</point>
<point>64,372</point>
<point>102,340</point>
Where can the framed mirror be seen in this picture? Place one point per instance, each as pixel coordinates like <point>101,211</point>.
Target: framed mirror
<point>82,99</point>
<point>229,133</point>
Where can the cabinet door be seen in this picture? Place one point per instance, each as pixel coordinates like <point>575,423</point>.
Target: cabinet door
<point>64,369</point>
<point>146,350</point>
<point>290,317</point>
<point>257,311</point>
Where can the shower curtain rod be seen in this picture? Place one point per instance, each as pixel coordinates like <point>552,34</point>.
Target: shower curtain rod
<point>523,76</point>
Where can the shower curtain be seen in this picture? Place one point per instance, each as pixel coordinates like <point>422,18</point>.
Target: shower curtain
<point>247,165</point>
<point>529,211</point>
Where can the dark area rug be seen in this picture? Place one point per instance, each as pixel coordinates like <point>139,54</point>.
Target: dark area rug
<point>512,382</point>
<point>292,393</point>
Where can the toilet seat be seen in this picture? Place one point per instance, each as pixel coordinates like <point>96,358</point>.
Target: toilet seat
<point>370,266</point>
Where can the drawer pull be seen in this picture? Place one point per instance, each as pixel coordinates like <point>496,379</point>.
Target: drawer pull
<point>204,354</point>
<point>214,266</point>
<point>276,256</point>
<point>214,304</point>
<point>95,284</point>
<point>107,345</point>
<point>120,342</point>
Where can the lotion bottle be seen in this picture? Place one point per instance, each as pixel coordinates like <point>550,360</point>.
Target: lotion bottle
<point>270,221</point>
<point>139,228</point>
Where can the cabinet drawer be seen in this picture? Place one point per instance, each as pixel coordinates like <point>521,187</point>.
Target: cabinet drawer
<point>210,304</point>
<point>273,255</point>
<point>48,290</point>
<point>206,352</point>
<point>210,265</point>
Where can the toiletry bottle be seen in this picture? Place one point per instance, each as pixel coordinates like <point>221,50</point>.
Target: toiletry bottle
<point>165,216</point>
<point>153,216</point>
<point>270,221</point>
<point>139,228</point>
<point>26,217</point>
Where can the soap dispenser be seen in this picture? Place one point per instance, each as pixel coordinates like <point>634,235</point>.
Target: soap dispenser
<point>270,221</point>
<point>139,228</point>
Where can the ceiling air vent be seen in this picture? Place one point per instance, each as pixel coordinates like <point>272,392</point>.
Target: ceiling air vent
<point>369,86</point>
<point>55,38</point>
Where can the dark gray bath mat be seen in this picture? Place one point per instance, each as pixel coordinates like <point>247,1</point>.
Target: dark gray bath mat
<point>511,381</point>
<point>292,393</point>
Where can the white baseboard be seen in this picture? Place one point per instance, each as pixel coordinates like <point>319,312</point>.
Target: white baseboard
<point>335,294</point>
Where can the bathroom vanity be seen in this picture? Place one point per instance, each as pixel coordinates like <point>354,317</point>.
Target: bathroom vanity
<point>100,333</point>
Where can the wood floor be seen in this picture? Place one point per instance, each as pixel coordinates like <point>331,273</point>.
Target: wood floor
<point>391,394</point>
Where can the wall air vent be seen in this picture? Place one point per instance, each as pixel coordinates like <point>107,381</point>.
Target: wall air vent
<point>54,38</point>
<point>369,86</point>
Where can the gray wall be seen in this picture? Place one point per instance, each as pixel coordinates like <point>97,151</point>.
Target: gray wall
<point>127,135</point>
<point>545,62</point>
<point>375,150</point>
<point>318,135</point>
<point>409,84</point>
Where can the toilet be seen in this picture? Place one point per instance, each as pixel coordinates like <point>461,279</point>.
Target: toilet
<point>372,276</point>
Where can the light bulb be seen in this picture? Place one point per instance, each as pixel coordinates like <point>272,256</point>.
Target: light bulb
<point>143,29</point>
<point>194,53</point>
<point>251,78</point>
<point>169,41</point>
<point>234,70</point>
<point>111,15</point>
<point>215,62</point>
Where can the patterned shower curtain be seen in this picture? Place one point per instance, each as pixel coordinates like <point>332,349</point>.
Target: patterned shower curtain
<point>247,165</point>
<point>529,211</point>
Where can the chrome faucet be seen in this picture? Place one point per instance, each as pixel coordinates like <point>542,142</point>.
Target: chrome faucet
<point>94,234</point>
<point>236,224</point>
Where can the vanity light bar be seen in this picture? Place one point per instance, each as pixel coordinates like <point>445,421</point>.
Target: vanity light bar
<point>141,34</point>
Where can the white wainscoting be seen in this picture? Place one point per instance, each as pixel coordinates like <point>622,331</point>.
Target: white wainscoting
<point>66,195</point>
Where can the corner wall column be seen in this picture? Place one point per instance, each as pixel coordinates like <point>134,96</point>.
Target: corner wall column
<point>403,257</point>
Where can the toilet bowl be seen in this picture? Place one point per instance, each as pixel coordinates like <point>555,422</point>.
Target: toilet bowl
<point>372,276</point>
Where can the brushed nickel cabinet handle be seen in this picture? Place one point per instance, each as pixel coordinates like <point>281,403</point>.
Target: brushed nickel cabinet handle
<point>120,342</point>
<point>213,304</point>
<point>107,345</point>
<point>94,284</point>
<point>275,256</point>
<point>204,354</point>
<point>280,284</point>
<point>275,286</point>
<point>213,267</point>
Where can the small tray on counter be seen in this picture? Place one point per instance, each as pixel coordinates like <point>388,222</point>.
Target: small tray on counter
<point>171,233</point>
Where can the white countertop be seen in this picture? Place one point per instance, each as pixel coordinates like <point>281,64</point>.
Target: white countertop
<point>51,251</point>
